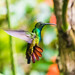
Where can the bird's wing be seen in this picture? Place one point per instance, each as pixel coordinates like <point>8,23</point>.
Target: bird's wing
<point>24,35</point>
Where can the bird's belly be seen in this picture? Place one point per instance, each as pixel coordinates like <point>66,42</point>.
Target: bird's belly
<point>34,42</point>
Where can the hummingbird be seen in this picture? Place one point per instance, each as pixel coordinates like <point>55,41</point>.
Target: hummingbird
<point>33,39</point>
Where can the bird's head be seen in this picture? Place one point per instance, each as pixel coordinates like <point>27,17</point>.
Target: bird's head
<point>40,25</point>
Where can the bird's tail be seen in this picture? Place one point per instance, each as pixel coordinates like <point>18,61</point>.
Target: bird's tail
<point>35,55</point>
<point>29,60</point>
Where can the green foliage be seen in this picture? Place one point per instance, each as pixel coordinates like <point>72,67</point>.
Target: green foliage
<point>24,14</point>
<point>29,9</point>
<point>41,65</point>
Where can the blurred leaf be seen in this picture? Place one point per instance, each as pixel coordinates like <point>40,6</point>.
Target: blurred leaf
<point>54,44</point>
<point>29,9</point>
<point>41,65</point>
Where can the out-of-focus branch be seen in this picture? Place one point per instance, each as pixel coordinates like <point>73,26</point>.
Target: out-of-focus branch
<point>8,13</point>
<point>66,37</point>
<point>60,7</point>
<point>58,13</point>
<point>10,38</point>
<point>64,15</point>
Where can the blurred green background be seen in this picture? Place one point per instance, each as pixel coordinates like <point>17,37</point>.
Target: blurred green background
<point>23,16</point>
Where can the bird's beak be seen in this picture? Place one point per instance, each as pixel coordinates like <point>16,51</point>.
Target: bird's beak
<point>49,24</point>
<point>43,24</point>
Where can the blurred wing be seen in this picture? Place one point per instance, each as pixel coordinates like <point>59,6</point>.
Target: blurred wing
<point>24,35</point>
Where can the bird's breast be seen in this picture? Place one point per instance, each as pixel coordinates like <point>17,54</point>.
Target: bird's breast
<point>35,41</point>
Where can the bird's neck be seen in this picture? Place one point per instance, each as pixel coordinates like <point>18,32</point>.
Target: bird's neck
<point>37,31</point>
